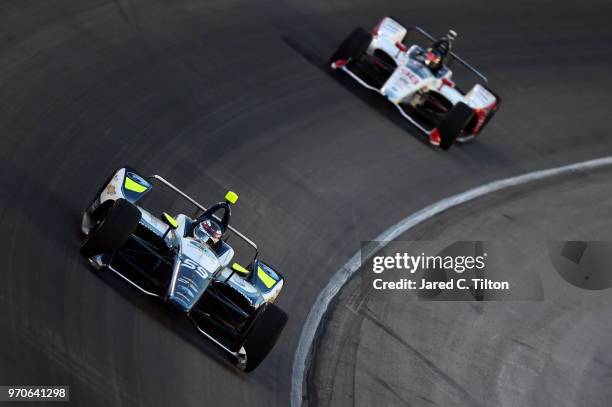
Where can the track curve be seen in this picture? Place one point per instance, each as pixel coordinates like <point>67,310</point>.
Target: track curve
<point>450,352</point>
<point>232,94</point>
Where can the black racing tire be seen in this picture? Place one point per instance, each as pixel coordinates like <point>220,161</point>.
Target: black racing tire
<point>353,46</point>
<point>454,123</point>
<point>113,230</point>
<point>263,335</point>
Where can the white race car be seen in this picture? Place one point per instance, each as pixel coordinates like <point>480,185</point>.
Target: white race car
<point>418,80</point>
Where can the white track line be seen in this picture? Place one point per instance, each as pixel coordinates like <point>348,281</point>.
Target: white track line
<point>345,272</point>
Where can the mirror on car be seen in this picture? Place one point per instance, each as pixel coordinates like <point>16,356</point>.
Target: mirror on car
<point>169,220</point>
<point>239,268</point>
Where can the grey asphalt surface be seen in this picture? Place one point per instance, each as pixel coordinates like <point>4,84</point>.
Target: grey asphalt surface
<point>234,94</point>
<point>549,348</point>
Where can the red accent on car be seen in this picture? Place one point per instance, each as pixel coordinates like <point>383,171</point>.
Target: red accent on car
<point>339,63</point>
<point>434,137</point>
<point>374,31</point>
<point>401,46</point>
<point>448,82</point>
<point>491,106</point>
<point>481,116</point>
<point>380,64</point>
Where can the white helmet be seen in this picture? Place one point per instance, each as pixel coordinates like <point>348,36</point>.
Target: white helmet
<point>208,231</point>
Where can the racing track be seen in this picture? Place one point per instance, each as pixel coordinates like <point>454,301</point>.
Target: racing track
<point>546,344</point>
<point>218,94</point>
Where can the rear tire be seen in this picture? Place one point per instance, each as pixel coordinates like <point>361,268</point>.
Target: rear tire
<point>113,230</point>
<point>454,124</point>
<point>263,335</point>
<point>353,46</point>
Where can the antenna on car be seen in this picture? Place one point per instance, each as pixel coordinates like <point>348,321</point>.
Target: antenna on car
<point>231,197</point>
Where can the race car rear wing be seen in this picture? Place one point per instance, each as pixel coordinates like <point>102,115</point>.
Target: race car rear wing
<point>455,56</point>
<point>201,207</point>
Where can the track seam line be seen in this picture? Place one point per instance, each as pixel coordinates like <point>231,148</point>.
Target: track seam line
<point>339,279</point>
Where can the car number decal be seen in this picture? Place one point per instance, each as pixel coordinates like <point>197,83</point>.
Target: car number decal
<point>192,265</point>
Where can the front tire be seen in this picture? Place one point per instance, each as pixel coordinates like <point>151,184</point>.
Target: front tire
<point>263,335</point>
<point>454,124</point>
<point>113,230</point>
<point>354,46</point>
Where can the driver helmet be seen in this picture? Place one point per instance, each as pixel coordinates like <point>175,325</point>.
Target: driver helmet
<point>208,231</point>
<point>433,59</point>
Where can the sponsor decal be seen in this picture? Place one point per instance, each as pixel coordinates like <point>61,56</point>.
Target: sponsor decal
<point>407,73</point>
<point>110,189</point>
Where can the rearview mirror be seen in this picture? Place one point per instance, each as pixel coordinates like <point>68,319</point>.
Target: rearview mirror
<point>239,269</point>
<point>169,220</point>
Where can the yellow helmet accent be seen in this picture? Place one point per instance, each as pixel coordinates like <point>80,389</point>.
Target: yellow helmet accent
<point>265,278</point>
<point>134,186</point>
<point>231,197</point>
<point>237,267</point>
